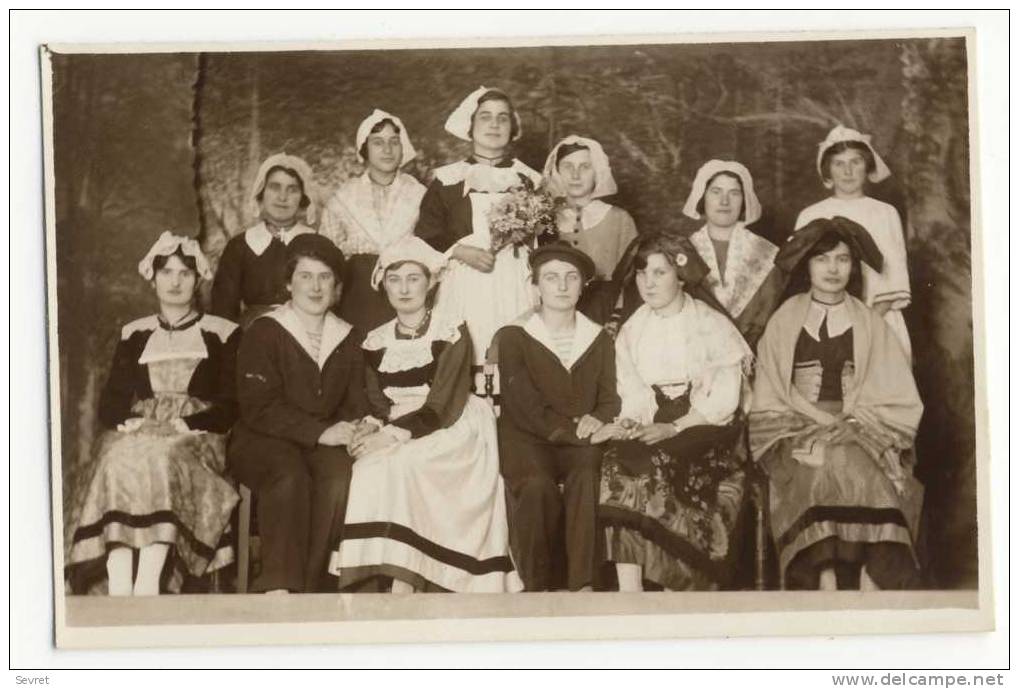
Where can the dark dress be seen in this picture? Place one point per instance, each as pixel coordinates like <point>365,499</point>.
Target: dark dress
<point>542,401</point>
<point>249,278</point>
<point>287,400</point>
<point>156,484</point>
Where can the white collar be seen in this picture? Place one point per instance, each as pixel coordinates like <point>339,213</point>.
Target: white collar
<point>583,336</point>
<point>454,173</point>
<point>838,319</point>
<point>590,215</point>
<point>334,331</point>
<point>258,238</point>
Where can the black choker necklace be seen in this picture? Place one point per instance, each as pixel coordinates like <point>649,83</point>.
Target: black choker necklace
<point>495,158</point>
<point>415,330</point>
<point>826,303</point>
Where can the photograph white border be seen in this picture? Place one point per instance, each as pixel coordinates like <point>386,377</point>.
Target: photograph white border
<point>482,628</point>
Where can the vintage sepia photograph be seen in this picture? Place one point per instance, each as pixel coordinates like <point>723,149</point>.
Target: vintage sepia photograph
<point>360,339</point>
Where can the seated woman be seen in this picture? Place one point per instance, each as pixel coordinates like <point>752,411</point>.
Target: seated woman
<point>427,506</point>
<point>742,273</point>
<point>835,411</point>
<point>155,486</point>
<point>249,279</point>
<point>371,211</point>
<point>578,171</point>
<point>300,384</point>
<point>672,478</point>
<point>559,389</point>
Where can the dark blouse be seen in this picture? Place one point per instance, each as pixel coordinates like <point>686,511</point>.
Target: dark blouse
<point>540,396</point>
<point>825,359</point>
<point>448,374</point>
<point>212,380</point>
<point>283,393</point>
<point>249,278</point>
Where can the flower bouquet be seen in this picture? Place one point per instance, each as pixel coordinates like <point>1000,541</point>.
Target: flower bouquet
<point>524,217</point>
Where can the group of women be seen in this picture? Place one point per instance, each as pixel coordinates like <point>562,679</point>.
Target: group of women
<point>335,376</point>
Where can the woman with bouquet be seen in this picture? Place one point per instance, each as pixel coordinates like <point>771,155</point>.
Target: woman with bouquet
<point>469,212</point>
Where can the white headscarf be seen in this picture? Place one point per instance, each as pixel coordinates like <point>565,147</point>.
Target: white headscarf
<point>604,183</point>
<point>409,248</point>
<point>291,162</point>
<point>364,130</point>
<point>840,134</point>
<point>751,204</point>
<point>167,244</point>
<point>459,121</point>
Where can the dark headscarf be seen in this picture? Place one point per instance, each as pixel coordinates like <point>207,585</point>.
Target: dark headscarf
<point>792,253</point>
<point>690,267</point>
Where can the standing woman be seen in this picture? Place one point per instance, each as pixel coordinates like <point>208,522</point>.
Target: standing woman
<point>484,290</point>
<point>577,170</point>
<point>155,490</point>
<point>427,505</point>
<point>300,384</point>
<point>741,264</point>
<point>370,212</point>
<point>846,161</point>
<point>249,278</point>
<point>835,411</point>
<point>672,478</point>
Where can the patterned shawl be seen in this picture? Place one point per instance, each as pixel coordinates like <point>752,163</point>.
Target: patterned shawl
<point>882,396</point>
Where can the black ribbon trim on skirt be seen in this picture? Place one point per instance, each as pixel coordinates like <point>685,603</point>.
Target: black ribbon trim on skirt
<point>842,515</point>
<point>672,544</point>
<point>142,521</point>
<point>398,532</point>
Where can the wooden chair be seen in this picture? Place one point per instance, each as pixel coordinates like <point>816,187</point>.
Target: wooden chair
<point>244,537</point>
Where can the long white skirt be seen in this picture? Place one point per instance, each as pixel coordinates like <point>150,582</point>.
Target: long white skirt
<point>487,301</point>
<point>432,512</point>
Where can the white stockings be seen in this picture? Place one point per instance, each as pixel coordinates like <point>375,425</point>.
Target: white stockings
<point>401,587</point>
<point>151,559</point>
<point>630,577</point>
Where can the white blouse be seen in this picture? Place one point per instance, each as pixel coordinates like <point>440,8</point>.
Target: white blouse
<point>364,218</point>
<point>697,350</point>
<point>882,222</point>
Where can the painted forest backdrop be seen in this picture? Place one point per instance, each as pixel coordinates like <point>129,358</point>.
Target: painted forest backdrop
<point>150,142</point>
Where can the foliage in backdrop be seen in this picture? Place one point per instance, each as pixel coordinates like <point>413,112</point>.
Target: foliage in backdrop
<point>145,143</point>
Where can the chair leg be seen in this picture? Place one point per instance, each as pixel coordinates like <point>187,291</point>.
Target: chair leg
<point>243,539</point>
<point>760,539</point>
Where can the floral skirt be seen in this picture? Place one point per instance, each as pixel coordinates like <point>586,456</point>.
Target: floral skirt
<point>672,507</point>
<point>153,485</point>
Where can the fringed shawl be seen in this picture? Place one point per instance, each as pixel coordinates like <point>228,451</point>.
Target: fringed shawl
<point>882,396</point>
